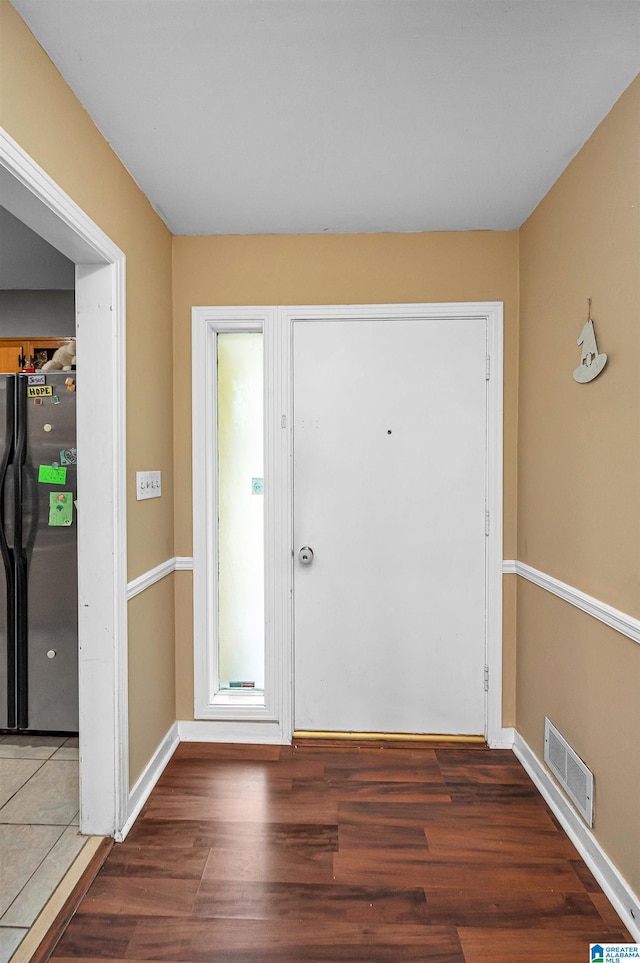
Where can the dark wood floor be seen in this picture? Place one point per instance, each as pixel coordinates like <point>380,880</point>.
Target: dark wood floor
<point>294,854</point>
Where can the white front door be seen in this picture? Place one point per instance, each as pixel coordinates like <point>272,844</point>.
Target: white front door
<point>390,479</point>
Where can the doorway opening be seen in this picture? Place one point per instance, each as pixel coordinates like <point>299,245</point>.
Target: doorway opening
<point>28,193</point>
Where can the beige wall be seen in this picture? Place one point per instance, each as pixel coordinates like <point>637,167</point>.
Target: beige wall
<point>579,470</point>
<point>335,269</point>
<point>41,113</point>
<point>151,673</point>
<point>584,677</point>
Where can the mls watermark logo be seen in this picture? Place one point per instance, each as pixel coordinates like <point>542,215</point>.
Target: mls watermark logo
<point>613,952</point>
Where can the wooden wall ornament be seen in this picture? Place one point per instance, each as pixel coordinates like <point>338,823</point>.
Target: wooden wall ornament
<point>591,363</point>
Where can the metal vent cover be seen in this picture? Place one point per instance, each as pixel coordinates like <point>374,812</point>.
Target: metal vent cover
<point>573,775</point>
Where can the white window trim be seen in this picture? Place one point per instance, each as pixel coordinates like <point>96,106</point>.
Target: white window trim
<point>271,708</point>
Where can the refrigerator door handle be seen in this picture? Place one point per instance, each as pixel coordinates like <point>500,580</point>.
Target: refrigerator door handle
<point>30,501</point>
<point>21,567</point>
<point>6,527</point>
<point>10,415</point>
<point>26,501</point>
<point>6,476</point>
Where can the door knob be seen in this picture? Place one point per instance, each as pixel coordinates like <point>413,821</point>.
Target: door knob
<point>305,555</point>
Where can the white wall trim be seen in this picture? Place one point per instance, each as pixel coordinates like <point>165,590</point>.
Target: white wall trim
<point>184,563</point>
<point>618,891</point>
<point>270,711</point>
<point>509,566</point>
<point>147,579</point>
<point>31,195</point>
<point>614,618</point>
<point>495,445</point>
<point>242,733</point>
<point>505,739</point>
<point>149,777</point>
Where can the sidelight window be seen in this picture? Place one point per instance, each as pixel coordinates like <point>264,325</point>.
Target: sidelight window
<point>240,511</point>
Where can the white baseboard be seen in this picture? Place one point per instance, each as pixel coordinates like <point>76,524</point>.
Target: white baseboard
<point>505,740</point>
<point>624,900</point>
<point>244,733</point>
<point>149,777</point>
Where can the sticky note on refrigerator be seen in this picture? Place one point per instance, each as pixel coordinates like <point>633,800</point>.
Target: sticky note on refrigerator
<point>60,508</point>
<point>52,476</point>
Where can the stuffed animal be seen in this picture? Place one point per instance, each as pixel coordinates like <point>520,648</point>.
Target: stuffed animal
<point>63,358</point>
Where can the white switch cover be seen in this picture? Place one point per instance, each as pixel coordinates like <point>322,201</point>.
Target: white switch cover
<point>148,484</point>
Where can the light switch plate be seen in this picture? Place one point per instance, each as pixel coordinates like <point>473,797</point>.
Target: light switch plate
<point>148,484</point>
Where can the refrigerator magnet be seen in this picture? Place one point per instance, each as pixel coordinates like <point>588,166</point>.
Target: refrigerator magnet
<point>52,476</point>
<point>39,391</point>
<point>60,508</point>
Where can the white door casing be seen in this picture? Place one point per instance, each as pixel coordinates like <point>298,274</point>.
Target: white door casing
<point>390,493</point>
<point>32,196</point>
<point>278,321</point>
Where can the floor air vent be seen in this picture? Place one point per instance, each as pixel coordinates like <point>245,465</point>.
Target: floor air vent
<point>575,778</point>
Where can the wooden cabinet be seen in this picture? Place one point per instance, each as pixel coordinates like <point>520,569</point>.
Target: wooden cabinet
<point>14,350</point>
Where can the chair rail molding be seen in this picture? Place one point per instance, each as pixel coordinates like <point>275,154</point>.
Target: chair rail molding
<point>153,575</point>
<point>614,618</point>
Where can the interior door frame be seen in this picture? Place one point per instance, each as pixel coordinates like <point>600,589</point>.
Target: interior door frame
<point>276,725</point>
<point>31,195</point>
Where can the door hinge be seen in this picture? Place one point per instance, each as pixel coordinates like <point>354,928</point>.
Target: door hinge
<point>486,678</point>
<point>487,523</point>
<point>488,368</point>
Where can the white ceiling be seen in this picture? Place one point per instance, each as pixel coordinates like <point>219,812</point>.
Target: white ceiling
<point>297,116</point>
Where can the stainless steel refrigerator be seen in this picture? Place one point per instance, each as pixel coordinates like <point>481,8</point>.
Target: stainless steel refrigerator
<point>39,577</point>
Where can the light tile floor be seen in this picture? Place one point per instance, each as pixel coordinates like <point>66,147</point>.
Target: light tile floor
<point>39,837</point>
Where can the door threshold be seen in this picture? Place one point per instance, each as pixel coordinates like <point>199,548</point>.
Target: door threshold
<point>41,939</point>
<point>395,740</point>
